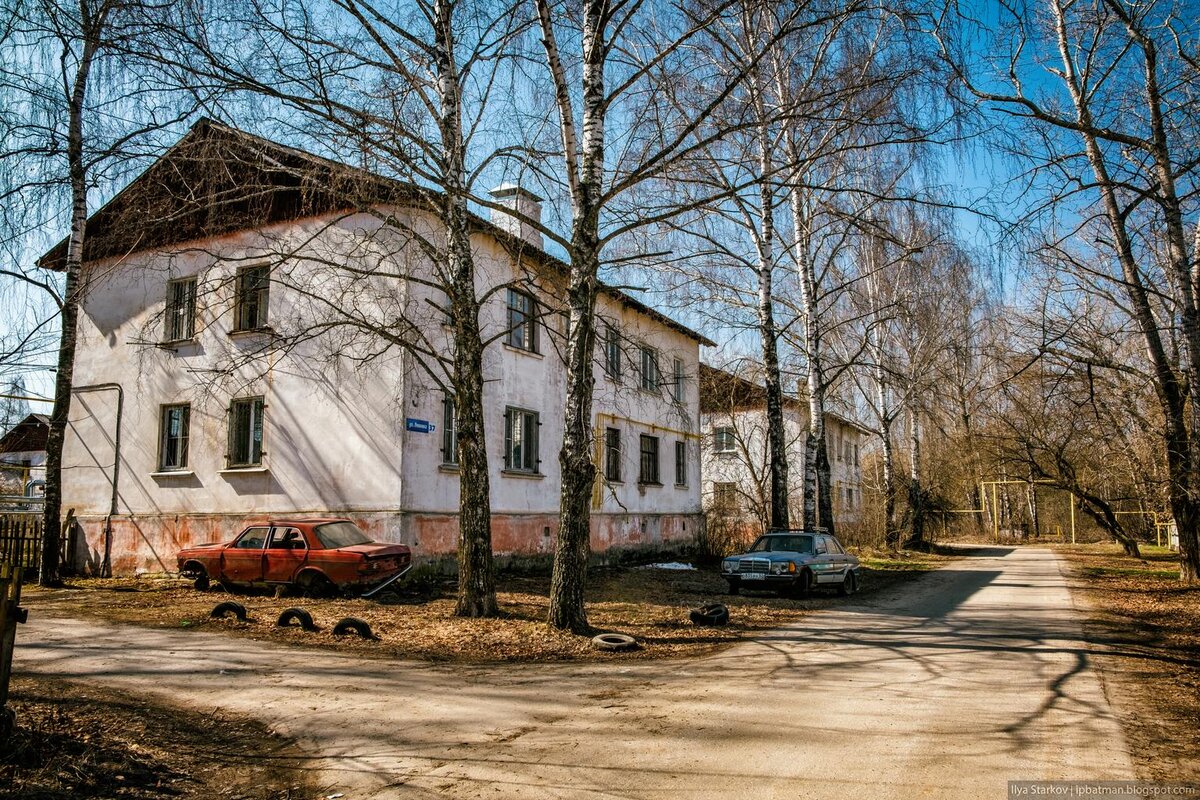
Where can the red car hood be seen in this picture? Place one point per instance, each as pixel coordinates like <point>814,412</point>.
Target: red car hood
<point>209,546</point>
<point>376,549</point>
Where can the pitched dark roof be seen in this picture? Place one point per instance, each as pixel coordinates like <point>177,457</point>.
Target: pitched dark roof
<point>723,392</point>
<point>27,436</point>
<point>218,179</point>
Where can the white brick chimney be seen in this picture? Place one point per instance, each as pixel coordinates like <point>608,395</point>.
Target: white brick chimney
<point>523,202</point>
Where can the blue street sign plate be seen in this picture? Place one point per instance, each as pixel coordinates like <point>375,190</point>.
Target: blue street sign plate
<point>419,425</point>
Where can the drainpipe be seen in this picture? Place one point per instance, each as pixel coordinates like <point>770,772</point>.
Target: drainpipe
<point>106,565</point>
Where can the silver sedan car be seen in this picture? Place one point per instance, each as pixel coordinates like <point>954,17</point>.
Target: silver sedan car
<point>793,562</point>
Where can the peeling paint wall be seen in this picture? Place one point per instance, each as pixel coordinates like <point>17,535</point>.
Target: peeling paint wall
<point>336,405</point>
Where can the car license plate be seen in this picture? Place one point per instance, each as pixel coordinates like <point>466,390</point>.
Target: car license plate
<point>753,576</point>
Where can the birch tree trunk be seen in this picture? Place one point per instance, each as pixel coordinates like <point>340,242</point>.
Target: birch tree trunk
<point>585,166</point>
<point>769,337</point>
<point>891,526</point>
<point>476,574</point>
<point>915,499</point>
<point>92,26</point>
<point>818,502</point>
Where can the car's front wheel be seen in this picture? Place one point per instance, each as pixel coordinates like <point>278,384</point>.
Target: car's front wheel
<point>202,582</point>
<point>802,586</point>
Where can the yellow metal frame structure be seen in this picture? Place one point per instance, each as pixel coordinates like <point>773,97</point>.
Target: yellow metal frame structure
<point>1162,520</point>
<point>598,447</point>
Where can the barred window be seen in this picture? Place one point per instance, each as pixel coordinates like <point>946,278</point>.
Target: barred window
<point>180,314</point>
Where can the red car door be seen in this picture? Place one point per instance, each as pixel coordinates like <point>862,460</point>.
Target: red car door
<point>242,562</point>
<point>286,553</point>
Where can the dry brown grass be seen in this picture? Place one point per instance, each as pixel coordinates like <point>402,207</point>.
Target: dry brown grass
<point>75,743</point>
<point>1145,628</point>
<point>649,604</point>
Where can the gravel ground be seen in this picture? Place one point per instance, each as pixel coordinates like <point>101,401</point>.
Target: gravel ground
<point>649,604</point>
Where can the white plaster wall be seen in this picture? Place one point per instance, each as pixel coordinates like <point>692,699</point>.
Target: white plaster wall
<point>748,466</point>
<point>332,430</point>
<point>335,433</point>
<point>536,382</point>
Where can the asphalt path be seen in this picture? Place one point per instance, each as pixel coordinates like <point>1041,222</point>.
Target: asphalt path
<point>947,687</point>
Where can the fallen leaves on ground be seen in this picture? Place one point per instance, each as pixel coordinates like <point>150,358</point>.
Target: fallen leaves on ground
<point>74,742</point>
<point>651,605</point>
<point>1144,626</point>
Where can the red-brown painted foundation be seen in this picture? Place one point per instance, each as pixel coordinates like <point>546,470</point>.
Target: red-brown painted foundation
<point>148,544</point>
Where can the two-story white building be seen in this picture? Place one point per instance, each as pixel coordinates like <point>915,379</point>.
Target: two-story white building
<point>735,457</point>
<point>253,344</point>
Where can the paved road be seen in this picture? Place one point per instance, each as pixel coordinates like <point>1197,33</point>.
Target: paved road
<point>946,688</point>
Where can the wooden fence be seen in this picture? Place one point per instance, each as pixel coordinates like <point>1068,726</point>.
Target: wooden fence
<point>10,615</point>
<point>21,539</point>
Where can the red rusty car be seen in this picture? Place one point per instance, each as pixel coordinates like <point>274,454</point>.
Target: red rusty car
<point>319,556</point>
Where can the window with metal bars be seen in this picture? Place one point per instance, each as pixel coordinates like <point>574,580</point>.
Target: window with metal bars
<point>180,313</point>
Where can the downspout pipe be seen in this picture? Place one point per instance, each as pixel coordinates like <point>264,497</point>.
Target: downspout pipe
<point>106,565</point>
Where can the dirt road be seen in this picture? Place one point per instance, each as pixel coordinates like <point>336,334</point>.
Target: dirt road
<point>945,688</point>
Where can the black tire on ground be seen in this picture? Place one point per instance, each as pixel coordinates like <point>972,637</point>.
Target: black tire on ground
<point>220,610</point>
<point>614,642</point>
<point>713,615</point>
<point>353,625</point>
<point>291,616</point>
<point>201,583</point>
<point>849,584</point>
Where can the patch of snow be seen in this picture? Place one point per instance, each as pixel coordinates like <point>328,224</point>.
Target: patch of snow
<point>675,565</point>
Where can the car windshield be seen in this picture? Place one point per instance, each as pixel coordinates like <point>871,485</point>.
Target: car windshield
<point>783,544</point>
<point>341,534</point>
